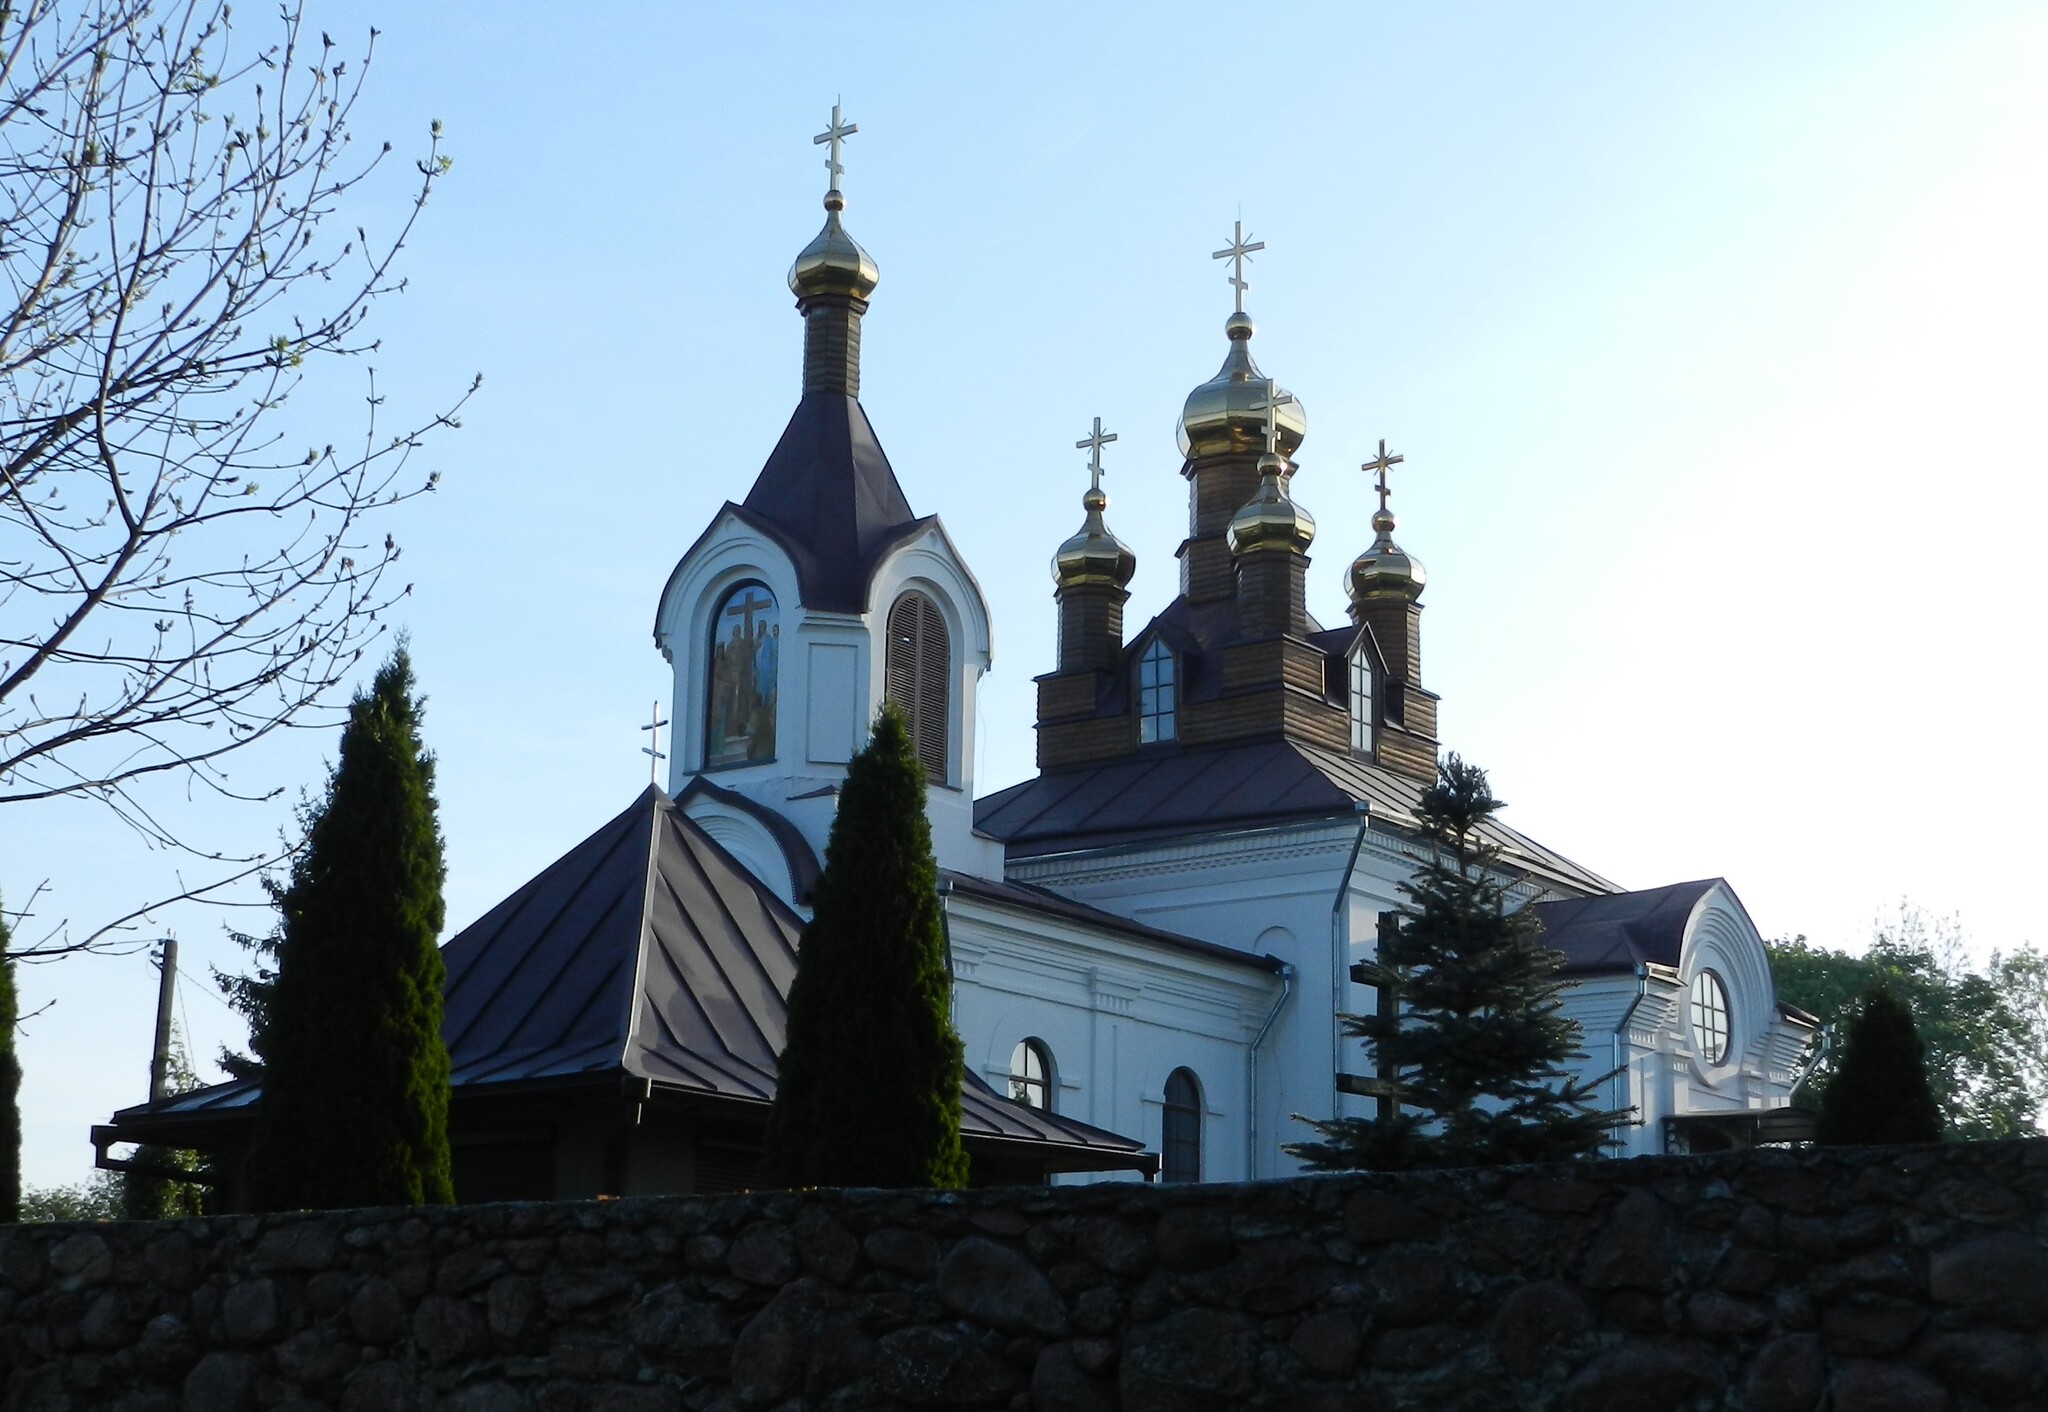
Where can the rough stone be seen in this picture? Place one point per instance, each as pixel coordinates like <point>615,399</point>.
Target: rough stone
<point>220,1382</point>
<point>1870,1327</point>
<point>1886,1387</point>
<point>1060,1384</point>
<point>924,1364</point>
<point>447,1328</point>
<point>1191,1361</point>
<point>306,1243</point>
<point>1327,1343</point>
<point>1633,1250</point>
<point>1715,1315</point>
<point>1787,1375</point>
<point>1191,1240</point>
<point>903,1250</point>
<point>1373,1217</point>
<point>2000,1368</point>
<point>513,1306</point>
<point>383,1387</point>
<point>81,1261</point>
<point>764,1254</point>
<point>827,1248</point>
<point>1644,1377</point>
<point>248,1311</point>
<point>772,1353</point>
<point>2002,1277</point>
<point>377,1313</point>
<point>995,1285</point>
<point>1535,1321</point>
<point>1408,1287</point>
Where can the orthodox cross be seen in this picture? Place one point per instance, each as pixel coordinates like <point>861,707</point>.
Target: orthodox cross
<point>656,722</point>
<point>1381,464</point>
<point>835,134</point>
<point>748,604</point>
<point>1237,252</point>
<point>1093,444</point>
<point>1273,401</point>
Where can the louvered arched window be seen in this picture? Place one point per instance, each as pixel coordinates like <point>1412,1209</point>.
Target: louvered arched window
<point>1180,1145</point>
<point>919,664</point>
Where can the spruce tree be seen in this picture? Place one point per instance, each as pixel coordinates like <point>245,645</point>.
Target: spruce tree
<point>354,1109</point>
<point>1478,1042</point>
<point>868,1084</point>
<point>10,1088</point>
<point>1880,1091</point>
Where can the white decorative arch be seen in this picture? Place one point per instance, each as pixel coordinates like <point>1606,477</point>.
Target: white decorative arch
<point>731,552</point>
<point>1719,937</point>
<point>748,840</point>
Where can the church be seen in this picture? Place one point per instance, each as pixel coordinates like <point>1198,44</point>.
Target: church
<point>1152,940</point>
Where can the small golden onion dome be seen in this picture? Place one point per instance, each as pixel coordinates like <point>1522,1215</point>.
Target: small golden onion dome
<point>1269,520</point>
<point>1386,570</point>
<point>1227,414</point>
<point>1094,555</point>
<point>834,263</point>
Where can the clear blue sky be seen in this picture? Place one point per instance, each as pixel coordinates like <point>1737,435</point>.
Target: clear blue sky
<point>1712,336</point>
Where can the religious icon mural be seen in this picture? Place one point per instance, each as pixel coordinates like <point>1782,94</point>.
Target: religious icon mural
<point>739,720</point>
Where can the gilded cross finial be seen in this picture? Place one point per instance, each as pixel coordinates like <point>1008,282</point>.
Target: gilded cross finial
<point>835,134</point>
<point>1237,252</point>
<point>1093,444</point>
<point>1381,464</point>
<point>1271,404</point>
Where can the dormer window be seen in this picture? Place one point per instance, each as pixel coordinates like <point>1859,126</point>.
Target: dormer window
<point>1362,699</point>
<point>918,669</point>
<point>1156,694</point>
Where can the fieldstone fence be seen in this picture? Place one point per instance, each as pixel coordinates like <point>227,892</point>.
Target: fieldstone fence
<point>1851,1280</point>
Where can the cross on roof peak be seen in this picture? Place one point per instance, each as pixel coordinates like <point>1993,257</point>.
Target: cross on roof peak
<point>1382,463</point>
<point>835,133</point>
<point>1237,252</point>
<point>1271,404</point>
<point>1093,444</point>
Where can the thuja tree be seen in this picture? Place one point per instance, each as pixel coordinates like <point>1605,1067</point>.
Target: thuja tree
<point>1880,1091</point>
<point>1478,1044</point>
<point>868,1087</point>
<point>354,1109</point>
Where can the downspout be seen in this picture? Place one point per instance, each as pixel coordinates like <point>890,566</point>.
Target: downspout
<point>1251,1074</point>
<point>1621,1038</point>
<point>946,935</point>
<point>1340,972</point>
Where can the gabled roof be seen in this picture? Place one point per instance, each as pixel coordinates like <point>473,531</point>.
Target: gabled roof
<point>646,952</point>
<point>828,496</point>
<point>1622,930</point>
<point>1214,788</point>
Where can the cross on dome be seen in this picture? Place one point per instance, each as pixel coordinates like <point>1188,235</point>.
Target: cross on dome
<point>1270,404</point>
<point>1382,463</point>
<point>1237,252</point>
<point>835,133</point>
<point>1093,444</point>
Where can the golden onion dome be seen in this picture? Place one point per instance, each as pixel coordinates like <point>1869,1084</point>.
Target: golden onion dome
<point>834,263</point>
<point>1269,520</point>
<point>1386,570</point>
<point>1227,414</point>
<point>1093,555</point>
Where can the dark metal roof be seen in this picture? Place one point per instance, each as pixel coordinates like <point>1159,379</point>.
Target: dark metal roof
<point>1621,930</point>
<point>646,952</point>
<point>1195,790</point>
<point>1027,898</point>
<point>828,495</point>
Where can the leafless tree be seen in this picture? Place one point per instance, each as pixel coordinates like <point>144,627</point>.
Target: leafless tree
<point>179,575</point>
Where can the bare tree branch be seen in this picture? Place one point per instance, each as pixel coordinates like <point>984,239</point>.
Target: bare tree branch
<point>175,581</point>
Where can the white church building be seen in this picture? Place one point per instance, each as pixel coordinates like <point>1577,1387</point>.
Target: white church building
<point>1152,940</point>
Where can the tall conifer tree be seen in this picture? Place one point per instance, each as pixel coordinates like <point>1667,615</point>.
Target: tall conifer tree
<point>1880,1091</point>
<point>868,1085</point>
<point>355,1076</point>
<point>10,1088</point>
<point>1478,1043</point>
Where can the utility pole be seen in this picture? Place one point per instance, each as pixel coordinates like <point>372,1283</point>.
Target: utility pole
<point>167,986</point>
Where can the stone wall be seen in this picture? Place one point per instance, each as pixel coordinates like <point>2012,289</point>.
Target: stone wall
<point>1899,1280</point>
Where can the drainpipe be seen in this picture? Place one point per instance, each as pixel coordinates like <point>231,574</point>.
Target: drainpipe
<point>1251,1074</point>
<point>1339,971</point>
<point>1620,1040</point>
<point>946,934</point>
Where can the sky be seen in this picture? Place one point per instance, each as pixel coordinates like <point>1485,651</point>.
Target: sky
<point>1712,337</point>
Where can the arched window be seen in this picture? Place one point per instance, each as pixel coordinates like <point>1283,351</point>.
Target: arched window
<point>1710,1017</point>
<point>740,697</point>
<point>1156,694</point>
<point>1031,1075</point>
<point>1180,1139</point>
<point>1361,702</point>
<point>919,665</point>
